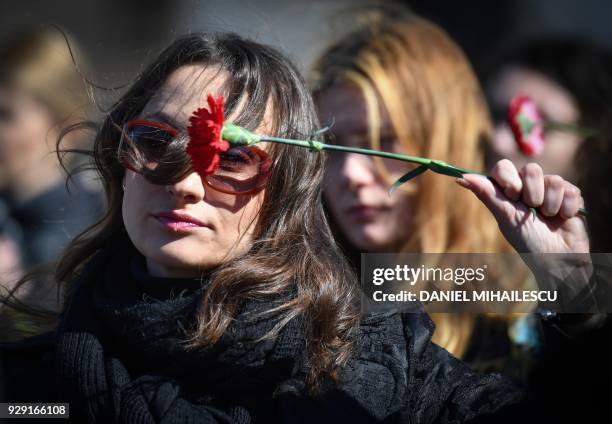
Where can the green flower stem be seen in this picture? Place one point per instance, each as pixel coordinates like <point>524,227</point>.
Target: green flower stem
<point>239,136</point>
<point>437,166</point>
<point>573,128</point>
<point>318,146</point>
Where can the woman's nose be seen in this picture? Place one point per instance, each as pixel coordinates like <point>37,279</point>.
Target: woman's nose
<point>358,170</point>
<point>188,190</point>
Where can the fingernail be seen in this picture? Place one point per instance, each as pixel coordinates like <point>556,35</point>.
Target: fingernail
<point>463,183</point>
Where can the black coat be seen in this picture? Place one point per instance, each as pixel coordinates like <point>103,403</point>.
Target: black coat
<point>117,357</point>
<point>49,221</point>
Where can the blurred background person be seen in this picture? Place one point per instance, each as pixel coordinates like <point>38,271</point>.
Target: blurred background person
<point>400,84</point>
<point>41,94</point>
<point>570,382</point>
<point>569,79</point>
<point>10,254</point>
<point>594,162</point>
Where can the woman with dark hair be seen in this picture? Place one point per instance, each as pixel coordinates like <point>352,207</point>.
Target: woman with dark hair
<point>217,298</point>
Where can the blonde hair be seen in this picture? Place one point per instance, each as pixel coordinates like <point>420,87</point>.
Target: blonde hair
<point>415,71</point>
<point>43,64</point>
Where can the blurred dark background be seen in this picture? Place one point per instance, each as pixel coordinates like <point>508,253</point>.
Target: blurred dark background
<point>119,37</point>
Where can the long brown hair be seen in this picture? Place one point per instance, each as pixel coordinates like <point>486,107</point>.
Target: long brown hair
<point>293,255</point>
<point>437,110</point>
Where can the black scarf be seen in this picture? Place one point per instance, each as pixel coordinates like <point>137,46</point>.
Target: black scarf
<point>121,358</point>
<point>121,353</point>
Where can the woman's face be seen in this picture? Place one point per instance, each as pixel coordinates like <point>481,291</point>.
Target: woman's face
<point>555,104</point>
<point>155,215</point>
<point>26,135</point>
<point>355,190</point>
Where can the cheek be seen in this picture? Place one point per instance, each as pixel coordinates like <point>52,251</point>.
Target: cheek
<point>32,129</point>
<point>131,215</point>
<point>389,230</point>
<point>23,139</point>
<point>333,177</point>
<point>332,185</point>
<point>559,154</point>
<point>337,204</point>
<point>136,206</point>
<point>242,222</point>
<point>504,147</point>
<point>403,214</point>
<point>397,220</point>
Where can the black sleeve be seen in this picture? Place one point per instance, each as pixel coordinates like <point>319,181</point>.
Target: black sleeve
<point>157,399</point>
<point>443,389</point>
<point>399,376</point>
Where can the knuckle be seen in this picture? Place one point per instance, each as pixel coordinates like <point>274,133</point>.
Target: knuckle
<point>572,191</point>
<point>576,190</point>
<point>505,164</point>
<point>555,181</point>
<point>532,170</point>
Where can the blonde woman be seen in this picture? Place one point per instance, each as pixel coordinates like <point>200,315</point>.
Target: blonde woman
<point>401,84</point>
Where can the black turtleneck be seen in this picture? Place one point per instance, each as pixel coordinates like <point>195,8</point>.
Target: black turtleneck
<point>161,288</point>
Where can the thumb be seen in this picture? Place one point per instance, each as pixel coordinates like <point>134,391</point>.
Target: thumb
<point>488,193</point>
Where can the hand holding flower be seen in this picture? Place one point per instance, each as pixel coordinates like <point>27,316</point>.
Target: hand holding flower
<point>557,229</point>
<point>514,198</point>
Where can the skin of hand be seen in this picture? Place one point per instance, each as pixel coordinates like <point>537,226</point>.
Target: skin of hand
<point>557,227</point>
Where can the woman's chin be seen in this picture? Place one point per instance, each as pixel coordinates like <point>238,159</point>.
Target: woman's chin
<point>366,241</point>
<point>180,259</point>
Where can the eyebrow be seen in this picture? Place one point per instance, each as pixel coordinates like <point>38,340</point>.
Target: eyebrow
<point>163,117</point>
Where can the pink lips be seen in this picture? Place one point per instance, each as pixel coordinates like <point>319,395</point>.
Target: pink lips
<point>364,213</point>
<point>179,221</point>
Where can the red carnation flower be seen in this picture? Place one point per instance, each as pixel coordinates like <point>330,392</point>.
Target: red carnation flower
<point>205,143</point>
<point>526,124</point>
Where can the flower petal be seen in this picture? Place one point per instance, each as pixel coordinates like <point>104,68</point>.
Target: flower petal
<point>205,143</point>
<point>526,125</point>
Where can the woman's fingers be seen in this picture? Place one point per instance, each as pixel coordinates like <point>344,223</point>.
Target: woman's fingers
<point>485,190</point>
<point>507,177</point>
<point>554,189</point>
<point>572,201</point>
<point>533,185</point>
<point>551,194</point>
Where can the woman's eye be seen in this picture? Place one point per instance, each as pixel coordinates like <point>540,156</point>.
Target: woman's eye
<point>150,136</point>
<point>235,157</point>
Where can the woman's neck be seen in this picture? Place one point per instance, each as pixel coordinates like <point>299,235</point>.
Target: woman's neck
<point>155,269</point>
